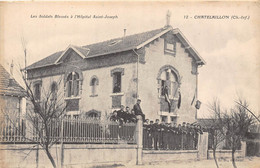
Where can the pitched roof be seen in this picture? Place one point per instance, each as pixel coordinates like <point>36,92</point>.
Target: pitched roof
<point>116,45</point>
<point>13,89</point>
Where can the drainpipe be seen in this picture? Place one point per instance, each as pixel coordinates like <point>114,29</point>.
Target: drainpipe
<point>137,69</point>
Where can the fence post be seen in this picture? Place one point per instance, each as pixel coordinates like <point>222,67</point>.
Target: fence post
<point>243,148</point>
<point>139,139</point>
<point>61,145</point>
<point>203,146</point>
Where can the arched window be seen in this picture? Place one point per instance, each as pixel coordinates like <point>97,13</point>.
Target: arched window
<point>72,84</point>
<point>93,84</point>
<point>168,81</point>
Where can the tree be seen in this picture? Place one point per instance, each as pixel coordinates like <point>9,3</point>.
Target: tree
<point>215,127</point>
<point>44,111</point>
<point>237,124</point>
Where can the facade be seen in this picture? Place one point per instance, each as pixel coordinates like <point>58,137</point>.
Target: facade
<point>160,67</point>
<point>12,96</point>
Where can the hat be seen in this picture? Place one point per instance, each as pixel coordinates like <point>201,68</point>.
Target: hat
<point>138,99</point>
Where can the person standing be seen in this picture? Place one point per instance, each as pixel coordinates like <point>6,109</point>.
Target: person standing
<point>137,109</point>
<point>156,133</point>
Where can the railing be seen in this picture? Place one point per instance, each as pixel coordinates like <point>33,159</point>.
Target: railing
<point>12,131</point>
<point>68,130</point>
<point>171,140</point>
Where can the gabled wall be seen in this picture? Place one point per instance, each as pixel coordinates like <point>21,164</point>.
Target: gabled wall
<point>155,58</point>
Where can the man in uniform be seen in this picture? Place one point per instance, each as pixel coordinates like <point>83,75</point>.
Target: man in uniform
<point>179,137</point>
<point>150,136</point>
<point>156,133</point>
<point>184,136</point>
<point>132,116</point>
<point>162,138</point>
<point>145,134</point>
<point>138,110</point>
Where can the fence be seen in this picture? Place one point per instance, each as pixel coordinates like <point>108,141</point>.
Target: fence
<point>12,131</point>
<point>68,130</point>
<point>170,140</point>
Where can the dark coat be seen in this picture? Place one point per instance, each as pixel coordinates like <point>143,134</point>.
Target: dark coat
<point>137,109</point>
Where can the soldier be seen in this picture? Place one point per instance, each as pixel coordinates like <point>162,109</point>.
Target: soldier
<point>189,137</point>
<point>156,132</point>
<point>145,134</point>
<point>127,115</point>
<point>114,116</point>
<point>150,136</point>
<point>184,136</point>
<point>193,134</point>
<point>168,136</point>
<point>138,110</point>
<point>173,137</point>
<point>162,135</point>
<point>121,114</point>
<point>132,116</point>
<point>178,137</point>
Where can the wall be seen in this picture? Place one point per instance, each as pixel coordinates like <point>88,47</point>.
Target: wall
<point>164,156</point>
<point>11,106</point>
<point>25,155</point>
<point>103,101</point>
<point>155,58</point>
<point>104,90</point>
<point>225,154</point>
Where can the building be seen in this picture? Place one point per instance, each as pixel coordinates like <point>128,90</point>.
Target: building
<point>12,96</point>
<point>159,66</point>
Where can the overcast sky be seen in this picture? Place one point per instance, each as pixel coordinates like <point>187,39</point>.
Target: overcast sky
<point>230,47</point>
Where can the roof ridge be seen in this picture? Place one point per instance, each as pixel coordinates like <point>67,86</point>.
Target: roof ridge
<point>122,37</point>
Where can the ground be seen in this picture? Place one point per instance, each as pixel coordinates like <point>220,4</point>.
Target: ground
<point>248,162</point>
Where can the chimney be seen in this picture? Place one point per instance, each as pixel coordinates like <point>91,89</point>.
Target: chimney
<point>124,32</point>
<point>168,18</point>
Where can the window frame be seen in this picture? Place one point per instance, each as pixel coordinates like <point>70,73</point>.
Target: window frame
<point>169,50</point>
<point>37,97</point>
<point>73,84</point>
<point>94,85</point>
<point>117,74</point>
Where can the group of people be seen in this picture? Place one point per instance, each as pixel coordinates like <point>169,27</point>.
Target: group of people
<point>125,115</point>
<point>165,136</point>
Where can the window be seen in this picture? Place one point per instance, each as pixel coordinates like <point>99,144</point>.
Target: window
<point>117,74</point>
<point>93,84</point>
<point>170,48</point>
<point>164,119</point>
<point>54,89</point>
<point>93,115</point>
<point>117,82</point>
<point>174,120</point>
<point>72,84</point>
<point>168,83</point>
<point>37,91</point>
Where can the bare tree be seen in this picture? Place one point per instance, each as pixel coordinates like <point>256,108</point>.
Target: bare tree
<point>237,124</point>
<point>44,114</point>
<point>215,127</point>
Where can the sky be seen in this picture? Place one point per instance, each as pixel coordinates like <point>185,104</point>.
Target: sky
<point>230,47</point>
